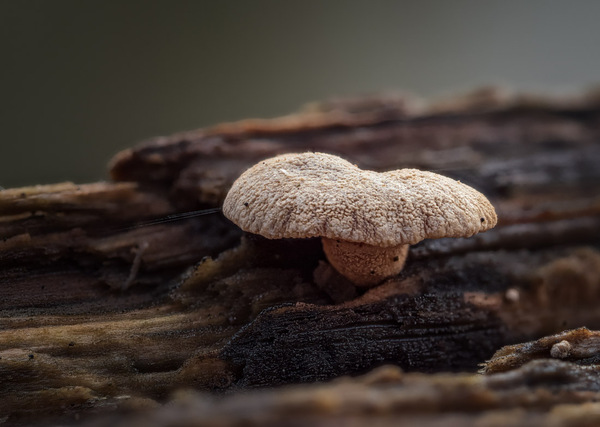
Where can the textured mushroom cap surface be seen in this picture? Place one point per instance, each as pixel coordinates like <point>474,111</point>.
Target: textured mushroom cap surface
<point>315,194</point>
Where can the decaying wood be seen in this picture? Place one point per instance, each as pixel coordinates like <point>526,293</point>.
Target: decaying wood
<point>542,392</point>
<point>96,314</point>
<point>580,346</point>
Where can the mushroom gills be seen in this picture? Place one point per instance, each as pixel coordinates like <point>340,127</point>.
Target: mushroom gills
<point>365,265</point>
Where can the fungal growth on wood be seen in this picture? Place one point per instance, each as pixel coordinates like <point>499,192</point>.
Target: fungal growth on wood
<point>366,219</point>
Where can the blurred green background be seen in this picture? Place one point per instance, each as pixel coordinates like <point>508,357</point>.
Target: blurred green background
<point>82,79</point>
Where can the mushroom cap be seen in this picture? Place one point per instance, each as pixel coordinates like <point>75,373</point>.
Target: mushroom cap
<point>315,194</point>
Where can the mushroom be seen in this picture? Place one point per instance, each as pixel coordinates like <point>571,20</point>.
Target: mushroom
<point>366,219</point>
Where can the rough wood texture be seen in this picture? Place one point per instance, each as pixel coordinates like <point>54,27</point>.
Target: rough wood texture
<point>580,346</point>
<point>542,392</point>
<point>96,315</point>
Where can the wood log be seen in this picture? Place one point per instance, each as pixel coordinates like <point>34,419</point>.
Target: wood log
<point>98,314</point>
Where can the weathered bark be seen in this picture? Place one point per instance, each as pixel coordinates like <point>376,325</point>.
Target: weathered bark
<point>93,309</point>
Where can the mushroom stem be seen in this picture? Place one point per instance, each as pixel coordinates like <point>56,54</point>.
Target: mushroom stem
<point>365,265</point>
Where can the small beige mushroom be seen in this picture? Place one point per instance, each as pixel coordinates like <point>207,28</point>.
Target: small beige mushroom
<point>366,219</point>
<point>561,350</point>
